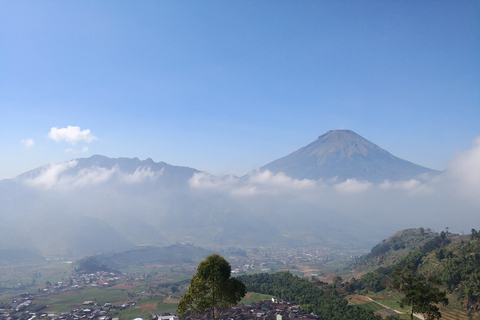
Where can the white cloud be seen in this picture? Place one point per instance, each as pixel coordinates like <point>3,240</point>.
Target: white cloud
<point>141,174</point>
<point>267,178</point>
<point>463,173</point>
<point>71,134</point>
<point>58,176</point>
<point>70,150</point>
<point>202,180</point>
<point>50,174</point>
<point>89,176</point>
<point>28,142</point>
<point>352,186</point>
<point>257,183</point>
<point>412,186</point>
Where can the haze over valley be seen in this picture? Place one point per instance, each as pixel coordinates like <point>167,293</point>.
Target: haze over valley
<point>327,151</point>
<point>339,191</point>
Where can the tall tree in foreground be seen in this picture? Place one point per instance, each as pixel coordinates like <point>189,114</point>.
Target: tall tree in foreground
<point>211,288</point>
<point>420,293</point>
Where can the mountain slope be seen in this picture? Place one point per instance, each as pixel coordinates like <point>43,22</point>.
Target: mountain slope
<point>452,258</point>
<point>343,154</point>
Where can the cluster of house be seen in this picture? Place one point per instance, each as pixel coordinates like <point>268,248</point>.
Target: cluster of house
<point>16,310</point>
<point>265,310</point>
<point>261,258</point>
<point>97,279</point>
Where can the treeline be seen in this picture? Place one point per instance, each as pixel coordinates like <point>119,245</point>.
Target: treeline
<point>324,301</point>
<point>91,265</point>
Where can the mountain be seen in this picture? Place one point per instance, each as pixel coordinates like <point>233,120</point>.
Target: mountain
<point>100,204</point>
<point>101,167</point>
<point>88,205</point>
<point>342,155</point>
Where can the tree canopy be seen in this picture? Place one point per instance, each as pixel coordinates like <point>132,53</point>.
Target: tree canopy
<point>420,293</point>
<point>326,302</point>
<point>212,288</point>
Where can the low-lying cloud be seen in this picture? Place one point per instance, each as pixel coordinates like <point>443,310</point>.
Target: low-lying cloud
<point>464,172</point>
<point>257,183</point>
<point>450,198</point>
<point>60,176</point>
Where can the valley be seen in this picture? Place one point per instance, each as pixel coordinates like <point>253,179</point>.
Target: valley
<point>144,287</point>
<point>126,235</point>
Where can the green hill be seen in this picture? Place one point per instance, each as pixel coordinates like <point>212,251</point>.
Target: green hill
<point>453,258</point>
<point>146,255</point>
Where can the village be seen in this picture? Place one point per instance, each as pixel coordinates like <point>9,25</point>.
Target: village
<point>265,310</point>
<point>274,259</point>
<point>23,306</point>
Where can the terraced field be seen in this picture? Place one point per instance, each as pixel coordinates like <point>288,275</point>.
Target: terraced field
<point>390,300</point>
<point>449,313</point>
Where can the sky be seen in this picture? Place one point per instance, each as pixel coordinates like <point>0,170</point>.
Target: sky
<point>228,86</point>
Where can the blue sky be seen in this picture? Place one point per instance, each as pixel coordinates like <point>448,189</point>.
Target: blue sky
<point>228,86</point>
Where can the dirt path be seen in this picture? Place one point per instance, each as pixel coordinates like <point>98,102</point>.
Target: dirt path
<point>419,316</point>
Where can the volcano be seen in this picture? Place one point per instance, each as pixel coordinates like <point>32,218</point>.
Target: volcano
<point>342,155</point>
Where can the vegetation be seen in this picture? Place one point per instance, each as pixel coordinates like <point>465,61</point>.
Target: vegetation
<point>255,297</point>
<point>326,301</point>
<point>461,269</point>
<point>453,259</point>
<point>91,265</point>
<point>172,255</point>
<point>211,288</point>
<point>420,293</point>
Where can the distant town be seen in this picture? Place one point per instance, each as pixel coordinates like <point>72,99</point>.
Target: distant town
<point>23,306</point>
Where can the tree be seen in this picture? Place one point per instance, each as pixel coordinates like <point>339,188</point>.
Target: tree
<point>474,234</point>
<point>211,288</point>
<point>420,293</point>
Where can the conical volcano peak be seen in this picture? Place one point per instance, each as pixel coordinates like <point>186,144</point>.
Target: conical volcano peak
<point>343,154</point>
<point>340,143</point>
<point>342,136</point>
<point>339,132</point>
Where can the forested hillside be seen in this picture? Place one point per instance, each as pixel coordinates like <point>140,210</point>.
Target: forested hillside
<point>453,259</point>
<point>325,300</point>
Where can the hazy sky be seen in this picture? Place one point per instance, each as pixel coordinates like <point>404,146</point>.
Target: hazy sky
<point>228,86</point>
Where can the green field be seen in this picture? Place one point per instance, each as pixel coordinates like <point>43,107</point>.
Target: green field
<point>72,299</point>
<point>255,297</point>
<point>23,277</point>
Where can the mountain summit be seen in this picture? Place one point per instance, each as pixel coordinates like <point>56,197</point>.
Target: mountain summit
<point>343,154</point>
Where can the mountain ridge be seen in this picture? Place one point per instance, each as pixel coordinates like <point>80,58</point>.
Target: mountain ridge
<point>97,204</point>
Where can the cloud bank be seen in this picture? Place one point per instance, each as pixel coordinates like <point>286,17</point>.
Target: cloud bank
<point>61,177</point>
<point>449,199</point>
